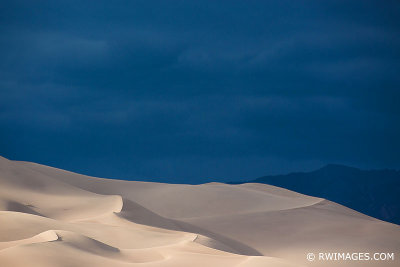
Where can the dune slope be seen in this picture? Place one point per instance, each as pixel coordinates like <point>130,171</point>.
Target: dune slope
<point>52,217</point>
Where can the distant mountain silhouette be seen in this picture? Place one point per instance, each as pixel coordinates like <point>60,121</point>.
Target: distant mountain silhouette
<point>373,192</point>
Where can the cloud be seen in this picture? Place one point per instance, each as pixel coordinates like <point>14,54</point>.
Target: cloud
<point>142,88</point>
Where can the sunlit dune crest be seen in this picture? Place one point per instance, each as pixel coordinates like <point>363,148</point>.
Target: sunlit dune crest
<point>52,217</point>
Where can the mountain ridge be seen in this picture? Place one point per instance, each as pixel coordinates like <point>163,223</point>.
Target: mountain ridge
<point>373,192</point>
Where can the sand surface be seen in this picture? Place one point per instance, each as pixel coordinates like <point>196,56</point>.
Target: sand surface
<point>52,217</point>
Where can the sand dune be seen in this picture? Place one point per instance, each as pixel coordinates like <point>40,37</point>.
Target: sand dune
<point>52,217</point>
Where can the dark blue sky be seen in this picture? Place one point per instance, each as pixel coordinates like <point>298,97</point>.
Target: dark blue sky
<point>192,91</point>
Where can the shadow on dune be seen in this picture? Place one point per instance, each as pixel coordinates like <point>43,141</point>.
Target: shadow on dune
<point>18,207</point>
<point>139,214</point>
